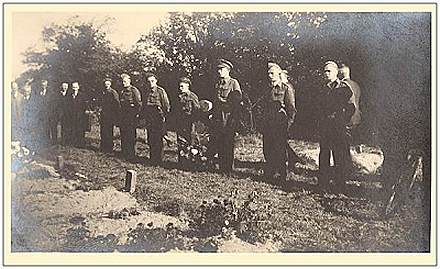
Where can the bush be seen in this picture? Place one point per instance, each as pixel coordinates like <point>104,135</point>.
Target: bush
<point>249,220</point>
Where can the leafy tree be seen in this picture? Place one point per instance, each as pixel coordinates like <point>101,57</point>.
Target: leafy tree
<point>190,43</point>
<point>74,51</point>
<point>389,54</point>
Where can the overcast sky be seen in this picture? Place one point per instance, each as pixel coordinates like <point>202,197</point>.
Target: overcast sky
<point>123,32</point>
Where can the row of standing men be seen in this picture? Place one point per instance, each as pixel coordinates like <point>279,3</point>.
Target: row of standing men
<point>338,104</point>
<point>37,112</point>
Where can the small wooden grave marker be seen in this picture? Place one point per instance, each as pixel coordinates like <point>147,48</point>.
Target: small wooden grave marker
<point>130,181</point>
<point>60,162</point>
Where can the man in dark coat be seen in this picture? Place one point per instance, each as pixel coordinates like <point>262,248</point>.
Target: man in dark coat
<point>131,103</point>
<point>155,107</point>
<point>187,107</point>
<point>110,106</point>
<point>78,119</point>
<point>43,105</point>
<point>279,110</point>
<point>335,111</point>
<point>225,116</point>
<point>60,103</point>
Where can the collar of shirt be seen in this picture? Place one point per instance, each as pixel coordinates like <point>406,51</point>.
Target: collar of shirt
<point>26,97</point>
<point>224,81</point>
<point>43,92</point>
<point>128,88</point>
<point>185,93</point>
<point>154,89</point>
<point>334,84</point>
<point>278,84</point>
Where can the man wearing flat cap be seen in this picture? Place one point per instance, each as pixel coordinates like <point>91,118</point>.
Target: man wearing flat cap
<point>335,104</point>
<point>186,109</point>
<point>225,116</point>
<point>155,108</point>
<point>279,110</point>
<point>130,100</point>
<point>110,106</point>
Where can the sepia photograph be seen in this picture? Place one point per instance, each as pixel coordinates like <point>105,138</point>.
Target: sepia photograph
<point>221,129</point>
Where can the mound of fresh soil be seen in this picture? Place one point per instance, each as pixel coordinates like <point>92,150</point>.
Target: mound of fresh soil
<point>82,207</point>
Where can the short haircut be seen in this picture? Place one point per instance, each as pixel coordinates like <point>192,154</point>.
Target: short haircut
<point>274,66</point>
<point>124,75</point>
<point>332,64</point>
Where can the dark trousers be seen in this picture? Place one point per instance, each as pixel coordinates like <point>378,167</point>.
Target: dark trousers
<point>77,133</point>
<point>222,143</point>
<point>53,130</point>
<point>64,130</point>
<point>106,130</point>
<point>28,133</point>
<point>79,138</point>
<point>292,157</point>
<point>43,134</point>
<point>356,134</point>
<point>128,134</point>
<point>334,139</point>
<point>155,133</point>
<point>274,147</point>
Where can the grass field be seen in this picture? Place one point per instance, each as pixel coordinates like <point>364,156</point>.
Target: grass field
<point>83,207</point>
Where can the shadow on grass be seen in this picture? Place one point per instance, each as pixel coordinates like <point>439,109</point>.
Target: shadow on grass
<point>244,170</point>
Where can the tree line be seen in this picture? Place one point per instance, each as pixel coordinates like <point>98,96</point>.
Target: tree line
<point>389,55</point>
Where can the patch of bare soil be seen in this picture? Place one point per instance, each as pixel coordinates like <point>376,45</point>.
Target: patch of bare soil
<point>83,206</point>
